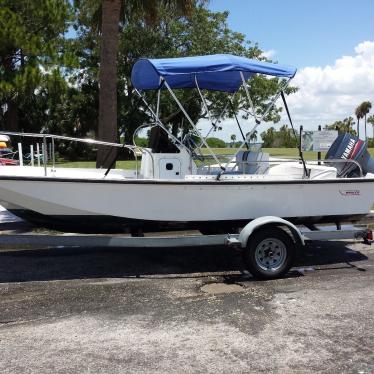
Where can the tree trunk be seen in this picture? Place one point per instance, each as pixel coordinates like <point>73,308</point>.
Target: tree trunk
<point>107,130</point>
<point>11,116</point>
<point>358,127</point>
<point>365,128</point>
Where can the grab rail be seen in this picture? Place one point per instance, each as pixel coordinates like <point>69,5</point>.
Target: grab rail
<point>150,125</point>
<point>236,163</point>
<point>132,148</point>
<point>344,161</point>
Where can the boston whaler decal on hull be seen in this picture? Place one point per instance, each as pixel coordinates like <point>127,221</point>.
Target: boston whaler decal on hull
<point>349,192</point>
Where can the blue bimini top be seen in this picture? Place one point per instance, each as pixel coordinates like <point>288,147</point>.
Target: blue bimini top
<point>213,72</point>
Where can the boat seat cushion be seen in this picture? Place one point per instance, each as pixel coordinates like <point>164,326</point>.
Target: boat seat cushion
<point>250,162</point>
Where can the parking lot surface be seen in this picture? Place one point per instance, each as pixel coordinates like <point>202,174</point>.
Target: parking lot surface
<point>70,310</point>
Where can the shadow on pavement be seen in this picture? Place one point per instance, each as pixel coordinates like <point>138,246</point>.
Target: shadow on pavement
<point>79,263</point>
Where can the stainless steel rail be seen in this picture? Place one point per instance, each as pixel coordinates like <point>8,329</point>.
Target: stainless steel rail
<point>52,137</point>
<point>134,148</point>
<point>236,163</point>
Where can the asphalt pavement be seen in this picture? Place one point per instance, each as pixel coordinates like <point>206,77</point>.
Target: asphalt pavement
<point>194,310</point>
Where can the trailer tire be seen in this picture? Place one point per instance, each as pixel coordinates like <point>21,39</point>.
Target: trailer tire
<point>269,253</point>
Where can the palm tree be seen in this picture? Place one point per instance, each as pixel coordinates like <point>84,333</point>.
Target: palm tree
<point>349,123</point>
<point>359,115</point>
<point>365,109</point>
<point>233,138</point>
<point>253,137</point>
<point>110,16</point>
<point>371,121</point>
<point>112,11</point>
<point>343,126</point>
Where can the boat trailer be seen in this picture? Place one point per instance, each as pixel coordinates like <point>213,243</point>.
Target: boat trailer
<point>269,244</point>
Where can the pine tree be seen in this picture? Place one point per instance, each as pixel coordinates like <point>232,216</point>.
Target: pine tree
<point>32,50</point>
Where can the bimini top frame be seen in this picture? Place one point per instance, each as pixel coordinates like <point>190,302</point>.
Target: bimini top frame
<point>221,72</point>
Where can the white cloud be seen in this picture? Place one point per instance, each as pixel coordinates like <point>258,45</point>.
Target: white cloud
<point>326,93</point>
<point>269,54</point>
<point>332,92</point>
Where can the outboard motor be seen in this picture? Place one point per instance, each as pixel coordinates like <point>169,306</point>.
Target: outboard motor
<point>349,147</point>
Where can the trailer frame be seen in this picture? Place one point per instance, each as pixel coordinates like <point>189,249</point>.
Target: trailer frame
<point>289,237</point>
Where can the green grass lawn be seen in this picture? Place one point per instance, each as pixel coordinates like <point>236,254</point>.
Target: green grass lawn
<point>275,152</point>
<point>92,164</point>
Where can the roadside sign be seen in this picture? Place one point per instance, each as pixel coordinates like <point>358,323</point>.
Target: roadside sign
<point>317,141</point>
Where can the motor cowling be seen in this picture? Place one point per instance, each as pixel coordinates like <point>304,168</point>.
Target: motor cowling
<point>348,147</point>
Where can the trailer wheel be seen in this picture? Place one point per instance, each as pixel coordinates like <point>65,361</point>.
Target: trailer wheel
<point>269,253</point>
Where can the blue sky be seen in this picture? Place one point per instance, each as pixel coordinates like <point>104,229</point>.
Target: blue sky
<point>302,32</point>
<point>331,43</point>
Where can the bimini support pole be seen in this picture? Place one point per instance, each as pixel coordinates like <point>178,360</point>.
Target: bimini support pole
<point>214,124</point>
<point>248,96</point>
<point>238,123</point>
<point>194,127</point>
<point>203,100</point>
<point>158,98</point>
<point>306,174</point>
<point>158,121</point>
<point>257,120</point>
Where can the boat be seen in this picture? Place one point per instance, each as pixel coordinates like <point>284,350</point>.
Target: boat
<point>176,185</point>
<point>6,154</point>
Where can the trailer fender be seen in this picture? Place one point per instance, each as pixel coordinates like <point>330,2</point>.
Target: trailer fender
<point>268,221</point>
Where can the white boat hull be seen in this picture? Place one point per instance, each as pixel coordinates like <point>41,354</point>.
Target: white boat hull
<point>146,203</point>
